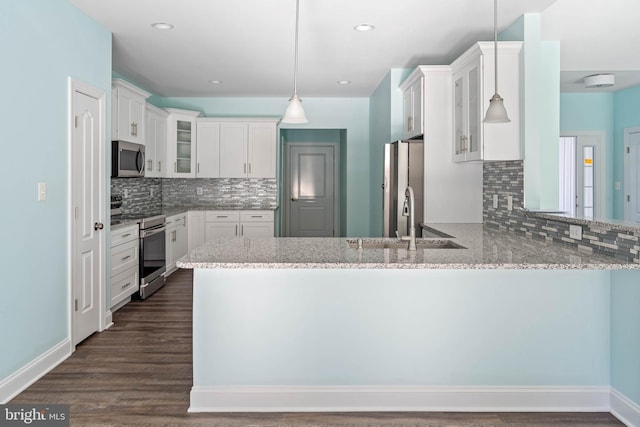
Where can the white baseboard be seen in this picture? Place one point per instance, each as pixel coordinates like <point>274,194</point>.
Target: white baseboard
<point>624,409</point>
<point>17,382</point>
<point>398,398</point>
<point>108,320</point>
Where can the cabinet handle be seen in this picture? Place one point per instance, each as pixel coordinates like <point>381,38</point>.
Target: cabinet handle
<point>175,167</point>
<point>256,216</point>
<point>126,285</point>
<point>149,165</point>
<point>159,165</point>
<point>132,132</point>
<point>242,230</point>
<point>249,168</point>
<point>198,167</point>
<point>245,168</point>
<point>126,235</point>
<point>127,257</point>
<point>469,142</point>
<point>236,229</point>
<point>409,123</point>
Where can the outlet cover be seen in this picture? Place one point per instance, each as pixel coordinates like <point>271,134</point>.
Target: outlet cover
<point>575,232</point>
<point>509,203</point>
<point>495,201</point>
<point>199,191</point>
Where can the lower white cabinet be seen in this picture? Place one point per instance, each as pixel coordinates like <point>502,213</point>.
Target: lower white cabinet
<point>125,272</point>
<point>233,223</point>
<point>176,240</point>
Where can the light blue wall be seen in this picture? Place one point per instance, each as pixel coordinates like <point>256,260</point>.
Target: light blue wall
<point>626,114</point>
<point>42,43</point>
<point>350,114</point>
<point>541,113</point>
<point>402,327</point>
<point>625,333</point>
<point>583,112</point>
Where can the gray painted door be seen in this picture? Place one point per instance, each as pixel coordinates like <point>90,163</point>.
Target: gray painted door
<point>311,204</point>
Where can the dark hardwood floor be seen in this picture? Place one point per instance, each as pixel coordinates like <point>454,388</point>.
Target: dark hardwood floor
<point>138,373</point>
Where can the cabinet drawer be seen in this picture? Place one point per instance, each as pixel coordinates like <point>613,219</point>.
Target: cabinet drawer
<point>222,216</point>
<point>176,220</point>
<point>124,257</point>
<point>124,284</point>
<point>123,235</point>
<point>256,216</point>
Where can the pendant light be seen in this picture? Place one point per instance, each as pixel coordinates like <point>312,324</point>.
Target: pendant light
<point>295,112</point>
<point>496,113</point>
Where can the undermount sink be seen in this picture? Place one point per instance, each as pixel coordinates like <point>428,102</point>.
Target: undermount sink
<point>398,244</point>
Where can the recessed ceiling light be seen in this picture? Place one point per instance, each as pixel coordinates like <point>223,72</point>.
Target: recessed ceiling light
<point>344,82</point>
<point>215,82</point>
<point>162,26</point>
<point>364,27</point>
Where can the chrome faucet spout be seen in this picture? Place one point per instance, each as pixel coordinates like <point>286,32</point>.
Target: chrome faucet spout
<point>410,200</point>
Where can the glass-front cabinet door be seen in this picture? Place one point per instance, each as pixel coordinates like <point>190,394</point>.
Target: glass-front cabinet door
<point>474,135</point>
<point>459,141</point>
<point>181,148</point>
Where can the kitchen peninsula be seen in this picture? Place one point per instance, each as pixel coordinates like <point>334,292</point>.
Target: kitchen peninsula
<point>507,323</point>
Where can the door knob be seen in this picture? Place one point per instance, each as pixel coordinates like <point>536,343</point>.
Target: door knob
<point>98,226</point>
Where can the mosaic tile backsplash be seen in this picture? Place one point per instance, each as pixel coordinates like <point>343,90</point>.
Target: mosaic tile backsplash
<point>507,179</point>
<point>145,195</point>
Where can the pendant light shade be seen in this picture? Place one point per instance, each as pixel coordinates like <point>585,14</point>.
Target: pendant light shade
<point>295,112</point>
<point>496,113</point>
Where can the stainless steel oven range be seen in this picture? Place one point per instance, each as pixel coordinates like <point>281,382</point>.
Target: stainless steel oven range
<point>152,255</point>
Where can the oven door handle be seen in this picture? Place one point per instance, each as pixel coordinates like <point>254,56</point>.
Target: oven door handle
<point>147,233</point>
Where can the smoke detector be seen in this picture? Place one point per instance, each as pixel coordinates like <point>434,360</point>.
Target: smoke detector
<point>599,80</point>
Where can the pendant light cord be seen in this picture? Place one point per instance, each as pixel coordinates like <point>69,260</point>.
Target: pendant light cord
<point>495,42</point>
<point>295,61</point>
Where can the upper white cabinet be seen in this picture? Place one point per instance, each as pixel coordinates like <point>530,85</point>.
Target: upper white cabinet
<point>473,86</point>
<point>412,101</point>
<point>156,142</point>
<point>208,151</point>
<point>127,112</point>
<point>237,148</point>
<point>181,143</point>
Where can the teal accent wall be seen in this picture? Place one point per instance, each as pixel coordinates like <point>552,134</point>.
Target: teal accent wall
<point>583,112</point>
<point>626,114</point>
<point>43,43</point>
<point>351,115</point>
<point>515,32</point>
<point>625,333</point>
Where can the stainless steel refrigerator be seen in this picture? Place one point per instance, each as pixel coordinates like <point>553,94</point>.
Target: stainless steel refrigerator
<point>403,166</point>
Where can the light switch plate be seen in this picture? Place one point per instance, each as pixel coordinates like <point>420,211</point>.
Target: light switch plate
<point>509,203</point>
<point>495,201</point>
<point>42,191</point>
<point>575,232</point>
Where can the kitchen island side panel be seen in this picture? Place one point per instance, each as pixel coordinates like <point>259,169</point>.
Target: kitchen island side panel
<point>363,327</point>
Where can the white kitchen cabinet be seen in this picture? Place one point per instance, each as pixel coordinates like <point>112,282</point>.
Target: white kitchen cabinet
<point>256,223</point>
<point>208,150</point>
<point>473,86</point>
<point>182,143</point>
<point>176,240</point>
<point>248,148</point>
<point>125,272</point>
<point>239,223</point>
<point>127,112</point>
<point>155,142</point>
<point>412,100</point>
<point>195,229</point>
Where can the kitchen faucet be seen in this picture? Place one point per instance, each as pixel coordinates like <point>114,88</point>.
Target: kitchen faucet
<point>409,200</point>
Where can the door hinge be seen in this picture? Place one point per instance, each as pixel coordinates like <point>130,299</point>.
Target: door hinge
<point>76,304</point>
<point>75,122</point>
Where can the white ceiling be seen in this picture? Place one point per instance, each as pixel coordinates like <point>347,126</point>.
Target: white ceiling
<point>249,44</point>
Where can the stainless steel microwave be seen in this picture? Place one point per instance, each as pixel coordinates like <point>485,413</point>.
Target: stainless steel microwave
<point>127,159</point>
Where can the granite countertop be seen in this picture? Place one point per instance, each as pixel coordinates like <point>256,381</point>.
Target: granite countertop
<point>485,248</point>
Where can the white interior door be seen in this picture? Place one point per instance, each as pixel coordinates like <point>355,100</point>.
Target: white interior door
<point>87,196</point>
<point>632,174</point>
<point>311,181</point>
